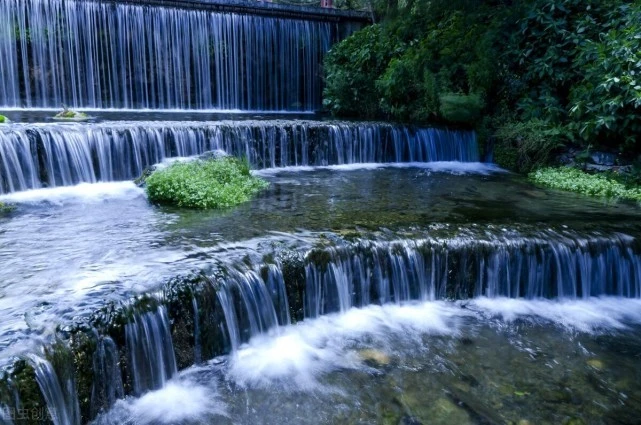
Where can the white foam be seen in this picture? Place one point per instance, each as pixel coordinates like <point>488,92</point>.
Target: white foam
<point>217,153</point>
<point>176,402</point>
<point>84,192</point>
<point>298,354</point>
<point>585,315</point>
<point>451,167</point>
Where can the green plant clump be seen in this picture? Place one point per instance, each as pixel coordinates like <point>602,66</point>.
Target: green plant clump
<point>6,208</point>
<point>575,180</point>
<point>215,183</point>
<point>4,119</point>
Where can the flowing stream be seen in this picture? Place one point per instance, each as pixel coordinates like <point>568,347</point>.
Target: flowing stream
<point>385,276</point>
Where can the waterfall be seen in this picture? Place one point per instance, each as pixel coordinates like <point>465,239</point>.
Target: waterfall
<point>6,415</point>
<point>552,265</point>
<point>96,54</point>
<point>198,350</point>
<point>50,155</point>
<point>150,350</point>
<point>107,385</point>
<point>59,391</point>
<point>247,305</point>
<point>549,264</point>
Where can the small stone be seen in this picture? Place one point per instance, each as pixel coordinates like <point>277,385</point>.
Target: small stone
<point>603,158</point>
<point>374,357</point>
<point>595,364</point>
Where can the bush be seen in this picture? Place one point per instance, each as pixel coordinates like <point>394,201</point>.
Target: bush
<point>216,183</point>
<point>579,62</point>
<point>461,109</point>
<point>428,62</point>
<point>605,105</point>
<point>351,70</point>
<point>575,180</point>
<point>523,146</point>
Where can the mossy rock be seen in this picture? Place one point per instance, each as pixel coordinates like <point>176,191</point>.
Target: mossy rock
<point>4,120</point>
<point>69,115</point>
<point>21,382</point>
<point>142,179</point>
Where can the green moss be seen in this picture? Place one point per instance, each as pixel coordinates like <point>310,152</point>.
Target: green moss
<point>4,120</point>
<point>293,267</point>
<point>21,382</point>
<point>216,183</point>
<point>574,180</point>
<point>319,258</point>
<point>6,208</point>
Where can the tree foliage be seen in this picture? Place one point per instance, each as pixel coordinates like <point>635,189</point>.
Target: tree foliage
<point>563,68</point>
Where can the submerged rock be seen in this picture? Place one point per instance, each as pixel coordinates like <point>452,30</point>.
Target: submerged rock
<point>603,158</point>
<point>374,358</point>
<point>140,181</point>
<point>595,364</point>
<point>69,115</point>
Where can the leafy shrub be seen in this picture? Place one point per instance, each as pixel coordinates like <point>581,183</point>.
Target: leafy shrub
<point>575,180</point>
<point>523,146</point>
<point>569,70</point>
<point>351,70</point>
<point>401,69</point>
<point>605,105</point>
<point>215,183</point>
<point>461,109</point>
<point>579,62</point>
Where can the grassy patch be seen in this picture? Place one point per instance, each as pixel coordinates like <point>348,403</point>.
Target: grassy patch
<point>575,180</point>
<point>216,183</point>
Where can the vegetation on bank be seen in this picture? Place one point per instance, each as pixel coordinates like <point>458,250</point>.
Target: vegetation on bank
<point>575,180</point>
<point>214,183</point>
<point>531,76</point>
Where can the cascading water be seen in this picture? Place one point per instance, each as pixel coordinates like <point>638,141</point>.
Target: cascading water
<point>248,306</point>
<point>551,265</point>
<point>94,54</point>
<point>107,386</point>
<point>150,351</point>
<point>59,392</point>
<point>32,156</point>
<point>562,266</point>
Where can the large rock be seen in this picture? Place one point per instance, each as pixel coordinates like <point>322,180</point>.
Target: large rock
<point>603,158</point>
